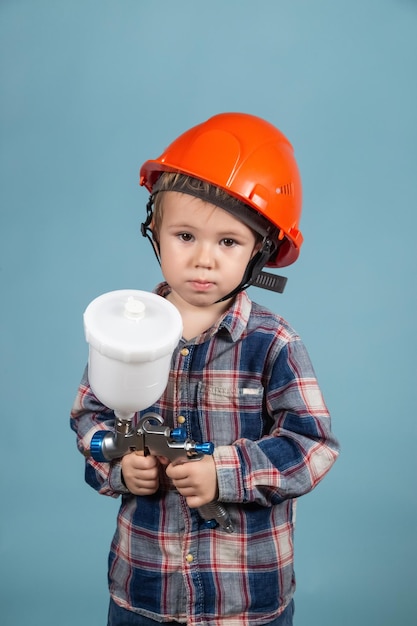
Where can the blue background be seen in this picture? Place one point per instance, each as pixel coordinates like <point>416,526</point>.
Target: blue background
<point>92,88</point>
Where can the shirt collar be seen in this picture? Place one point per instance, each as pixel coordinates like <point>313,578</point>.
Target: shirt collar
<point>234,320</point>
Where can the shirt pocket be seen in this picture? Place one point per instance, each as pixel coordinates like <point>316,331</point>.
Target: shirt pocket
<point>227,413</point>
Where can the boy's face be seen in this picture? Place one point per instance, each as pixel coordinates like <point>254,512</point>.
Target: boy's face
<point>204,250</point>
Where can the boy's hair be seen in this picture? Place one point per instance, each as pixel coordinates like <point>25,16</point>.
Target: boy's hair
<point>174,181</point>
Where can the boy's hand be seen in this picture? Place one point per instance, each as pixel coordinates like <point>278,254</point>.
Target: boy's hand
<point>195,480</point>
<point>140,473</point>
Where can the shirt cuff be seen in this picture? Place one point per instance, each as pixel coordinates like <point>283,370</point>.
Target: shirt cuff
<point>116,483</point>
<point>229,474</point>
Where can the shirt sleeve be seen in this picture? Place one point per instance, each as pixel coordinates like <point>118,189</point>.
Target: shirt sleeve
<point>298,448</point>
<point>87,417</point>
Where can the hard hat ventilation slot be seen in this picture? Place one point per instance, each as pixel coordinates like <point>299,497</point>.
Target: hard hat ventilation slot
<point>285,190</point>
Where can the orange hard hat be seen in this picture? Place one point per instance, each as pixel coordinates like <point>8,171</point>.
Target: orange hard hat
<point>251,160</point>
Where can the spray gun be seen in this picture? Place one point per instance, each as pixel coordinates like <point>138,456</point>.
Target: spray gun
<point>150,436</point>
<point>132,335</point>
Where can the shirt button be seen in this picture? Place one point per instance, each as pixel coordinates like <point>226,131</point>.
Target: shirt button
<point>189,558</point>
<point>185,352</point>
<point>181,419</point>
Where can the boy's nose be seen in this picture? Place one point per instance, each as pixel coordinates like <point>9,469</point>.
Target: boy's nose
<point>204,256</point>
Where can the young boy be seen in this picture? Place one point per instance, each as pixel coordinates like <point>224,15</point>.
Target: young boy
<point>225,202</point>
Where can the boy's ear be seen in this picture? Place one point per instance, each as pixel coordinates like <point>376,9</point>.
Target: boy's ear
<point>256,248</point>
<point>154,239</point>
<point>155,244</point>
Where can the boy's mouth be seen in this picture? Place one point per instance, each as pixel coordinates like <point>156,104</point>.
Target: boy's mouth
<point>201,285</point>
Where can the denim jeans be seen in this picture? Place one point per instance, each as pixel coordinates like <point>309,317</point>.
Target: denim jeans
<point>122,617</point>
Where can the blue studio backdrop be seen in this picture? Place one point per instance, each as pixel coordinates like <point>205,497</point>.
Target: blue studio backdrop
<point>92,88</point>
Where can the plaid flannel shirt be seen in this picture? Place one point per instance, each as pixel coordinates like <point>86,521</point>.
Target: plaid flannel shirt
<point>248,386</point>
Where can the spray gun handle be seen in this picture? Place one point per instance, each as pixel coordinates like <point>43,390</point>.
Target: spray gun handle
<point>176,446</point>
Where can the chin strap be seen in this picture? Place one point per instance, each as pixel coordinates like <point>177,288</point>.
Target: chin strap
<point>146,231</point>
<point>254,275</point>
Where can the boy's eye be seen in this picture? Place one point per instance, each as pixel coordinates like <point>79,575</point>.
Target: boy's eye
<point>228,242</point>
<point>185,236</point>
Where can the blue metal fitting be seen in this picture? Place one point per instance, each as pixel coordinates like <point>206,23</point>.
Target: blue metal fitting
<point>179,434</point>
<point>96,446</point>
<point>205,448</point>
